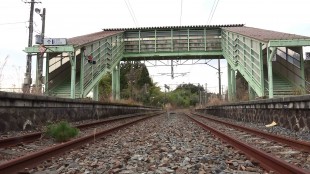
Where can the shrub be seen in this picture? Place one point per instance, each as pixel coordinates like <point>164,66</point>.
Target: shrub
<point>61,131</point>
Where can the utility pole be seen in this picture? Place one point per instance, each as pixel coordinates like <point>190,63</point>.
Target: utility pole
<point>27,79</point>
<point>39,72</point>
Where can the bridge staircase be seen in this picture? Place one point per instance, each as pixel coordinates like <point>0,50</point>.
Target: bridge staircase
<point>92,63</point>
<point>60,78</point>
<point>281,86</point>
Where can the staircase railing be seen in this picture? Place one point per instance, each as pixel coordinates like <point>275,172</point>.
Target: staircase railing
<point>307,84</point>
<point>106,52</point>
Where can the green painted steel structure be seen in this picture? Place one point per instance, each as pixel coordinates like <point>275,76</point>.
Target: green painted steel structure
<point>245,53</point>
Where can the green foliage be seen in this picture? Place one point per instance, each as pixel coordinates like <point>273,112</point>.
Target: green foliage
<point>136,85</point>
<point>144,77</point>
<point>61,131</point>
<point>191,87</point>
<point>184,96</point>
<point>105,87</point>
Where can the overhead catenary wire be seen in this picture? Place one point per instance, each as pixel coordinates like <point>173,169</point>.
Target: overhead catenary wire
<point>134,15</point>
<point>12,23</point>
<point>181,12</point>
<point>213,9</point>
<point>131,13</point>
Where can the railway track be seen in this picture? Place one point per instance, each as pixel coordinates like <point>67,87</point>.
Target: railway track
<point>13,141</point>
<point>31,159</point>
<point>272,154</point>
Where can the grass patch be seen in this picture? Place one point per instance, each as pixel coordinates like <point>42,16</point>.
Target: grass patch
<point>61,131</point>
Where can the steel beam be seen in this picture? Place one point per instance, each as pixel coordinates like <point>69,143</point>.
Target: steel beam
<point>73,75</point>
<point>269,64</point>
<point>116,82</point>
<point>229,82</point>
<point>47,65</point>
<point>171,40</point>
<point>289,43</point>
<point>261,66</point>
<point>82,74</point>
<point>172,54</point>
<point>155,38</point>
<point>233,84</point>
<point>302,71</point>
<point>50,49</point>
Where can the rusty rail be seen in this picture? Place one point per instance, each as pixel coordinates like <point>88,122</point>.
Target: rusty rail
<point>267,161</point>
<point>300,145</point>
<point>33,136</point>
<point>31,160</point>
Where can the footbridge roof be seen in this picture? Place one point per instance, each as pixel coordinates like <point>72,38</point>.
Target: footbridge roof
<point>264,35</point>
<point>88,38</point>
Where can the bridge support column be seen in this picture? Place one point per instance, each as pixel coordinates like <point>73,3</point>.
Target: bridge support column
<point>302,71</point>
<point>39,73</point>
<point>251,93</point>
<point>269,64</point>
<point>96,92</point>
<point>116,82</point>
<point>73,74</point>
<point>82,73</point>
<point>231,83</point>
<point>47,66</point>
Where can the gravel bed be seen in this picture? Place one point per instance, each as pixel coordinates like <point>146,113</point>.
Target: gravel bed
<point>282,151</point>
<point>22,149</point>
<point>278,130</point>
<point>159,145</point>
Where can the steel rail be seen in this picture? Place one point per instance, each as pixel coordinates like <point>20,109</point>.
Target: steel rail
<point>265,160</point>
<point>32,159</point>
<point>34,136</point>
<point>300,145</point>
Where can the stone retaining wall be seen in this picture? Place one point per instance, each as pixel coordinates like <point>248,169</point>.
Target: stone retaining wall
<point>20,111</point>
<point>291,112</point>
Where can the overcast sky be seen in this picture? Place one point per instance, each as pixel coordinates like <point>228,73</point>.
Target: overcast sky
<point>69,18</point>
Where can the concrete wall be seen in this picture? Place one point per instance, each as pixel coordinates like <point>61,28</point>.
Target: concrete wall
<point>290,112</point>
<point>20,111</point>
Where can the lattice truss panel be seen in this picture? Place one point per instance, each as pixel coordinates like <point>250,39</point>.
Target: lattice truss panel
<point>172,40</point>
<point>107,53</point>
<point>245,55</point>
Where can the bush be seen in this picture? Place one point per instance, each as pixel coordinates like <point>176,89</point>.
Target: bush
<point>61,131</point>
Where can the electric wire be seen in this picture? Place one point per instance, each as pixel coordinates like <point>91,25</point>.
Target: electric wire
<point>211,12</point>
<point>132,17</point>
<point>181,12</point>
<point>213,9</point>
<point>12,23</point>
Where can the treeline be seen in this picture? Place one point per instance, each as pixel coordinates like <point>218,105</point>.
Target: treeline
<point>136,86</point>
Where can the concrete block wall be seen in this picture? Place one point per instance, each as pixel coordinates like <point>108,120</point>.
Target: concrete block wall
<point>289,112</point>
<point>21,111</point>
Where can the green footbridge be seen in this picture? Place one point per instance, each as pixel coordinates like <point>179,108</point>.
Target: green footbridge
<point>271,62</point>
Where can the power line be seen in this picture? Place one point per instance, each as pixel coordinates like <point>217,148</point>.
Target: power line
<point>12,23</point>
<point>181,12</point>
<point>212,11</point>
<point>132,17</point>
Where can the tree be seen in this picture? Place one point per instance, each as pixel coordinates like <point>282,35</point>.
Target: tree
<point>105,87</point>
<point>144,77</point>
<point>2,65</point>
